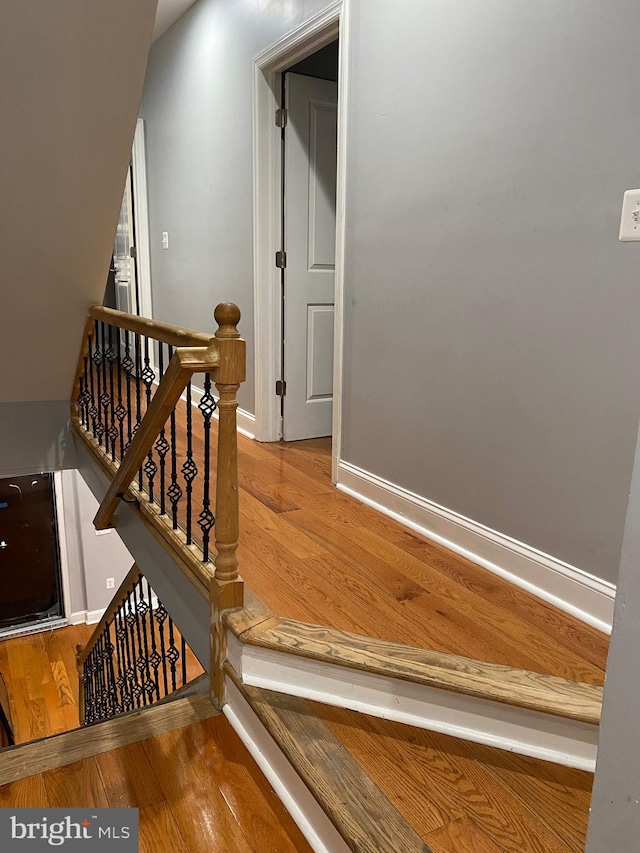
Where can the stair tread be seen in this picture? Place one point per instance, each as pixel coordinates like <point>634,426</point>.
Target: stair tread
<point>535,691</point>
<point>361,813</point>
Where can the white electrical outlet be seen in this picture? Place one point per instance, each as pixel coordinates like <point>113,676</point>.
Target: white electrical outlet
<point>630,219</point>
<point>111,583</point>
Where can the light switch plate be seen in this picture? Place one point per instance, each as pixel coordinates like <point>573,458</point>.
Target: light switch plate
<point>630,219</point>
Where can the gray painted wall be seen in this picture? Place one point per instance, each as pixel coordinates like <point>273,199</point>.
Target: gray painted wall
<point>491,332</point>
<point>35,437</point>
<point>197,106</point>
<point>104,554</point>
<point>614,822</point>
<point>491,314</point>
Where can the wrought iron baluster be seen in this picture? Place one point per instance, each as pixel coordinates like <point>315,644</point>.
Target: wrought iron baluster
<point>86,677</point>
<point>99,680</point>
<point>160,615</point>
<point>189,468</point>
<point>172,654</point>
<point>128,365</point>
<point>93,410</point>
<point>120,411</point>
<point>162,445</point>
<point>150,467</point>
<point>184,660</point>
<point>154,657</point>
<point>138,357</point>
<point>98,428</point>
<point>105,397</point>
<point>136,656</point>
<point>206,520</point>
<point>119,678</point>
<point>121,634</point>
<point>84,397</point>
<point>131,652</point>
<point>143,665</point>
<point>109,649</point>
<point>110,356</point>
<point>174,492</point>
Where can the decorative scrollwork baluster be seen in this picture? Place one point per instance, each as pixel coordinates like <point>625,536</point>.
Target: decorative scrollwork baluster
<point>96,358</point>
<point>206,520</point>
<point>189,467</point>
<point>112,432</point>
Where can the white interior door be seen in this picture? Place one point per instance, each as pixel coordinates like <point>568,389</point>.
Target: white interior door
<point>124,255</point>
<point>309,242</point>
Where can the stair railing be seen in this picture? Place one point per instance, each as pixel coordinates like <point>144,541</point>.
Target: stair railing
<point>135,656</point>
<point>157,448</point>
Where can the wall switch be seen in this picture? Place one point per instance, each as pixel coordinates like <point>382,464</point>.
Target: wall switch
<point>111,583</point>
<point>165,239</point>
<point>630,220</point>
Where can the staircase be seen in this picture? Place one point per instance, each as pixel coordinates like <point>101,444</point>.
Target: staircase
<point>302,697</point>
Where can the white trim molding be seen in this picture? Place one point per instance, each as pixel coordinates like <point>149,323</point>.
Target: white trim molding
<point>267,70</point>
<point>566,587</point>
<point>314,824</point>
<point>571,743</point>
<point>86,617</point>
<point>141,220</point>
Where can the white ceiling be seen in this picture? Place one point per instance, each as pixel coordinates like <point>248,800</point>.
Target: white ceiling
<point>168,12</point>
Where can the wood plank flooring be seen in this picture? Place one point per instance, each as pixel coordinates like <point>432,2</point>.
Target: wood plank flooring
<point>42,683</point>
<point>197,789</point>
<point>314,554</point>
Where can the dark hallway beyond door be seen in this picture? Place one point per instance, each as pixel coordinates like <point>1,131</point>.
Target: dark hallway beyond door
<point>30,588</point>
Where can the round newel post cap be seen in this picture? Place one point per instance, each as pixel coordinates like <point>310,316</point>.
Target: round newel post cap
<point>227,316</point>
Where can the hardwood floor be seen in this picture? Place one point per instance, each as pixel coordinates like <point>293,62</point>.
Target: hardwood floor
<point>42,683</point>
<point>197,789</point>
<point>314,554</point>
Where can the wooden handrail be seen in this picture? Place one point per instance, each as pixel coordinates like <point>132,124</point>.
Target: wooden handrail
<point>184,363</point>
<point>121,593</point>
<point>159,331</point>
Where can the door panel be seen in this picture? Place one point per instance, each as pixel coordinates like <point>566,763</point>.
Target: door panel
<point>309,241</point>
<point>29,558</point>
<point>320,352</point>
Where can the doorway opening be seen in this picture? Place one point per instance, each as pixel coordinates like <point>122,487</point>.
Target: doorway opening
<point>30,566</point>
<point>307,255</point>
<point>129,280</point>
<point>300,54</point>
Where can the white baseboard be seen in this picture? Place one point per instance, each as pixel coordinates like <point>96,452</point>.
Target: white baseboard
<point>292,791</point>
<point>246,421</point>
<point>566,587</point>
<point>85,617</point>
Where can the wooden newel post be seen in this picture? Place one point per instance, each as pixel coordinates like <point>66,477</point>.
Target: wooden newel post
<point>231,373</point>
<point>226,586</point>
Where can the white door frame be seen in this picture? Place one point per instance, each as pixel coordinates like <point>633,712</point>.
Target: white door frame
<point>141,220</point>
<point>268,67</point>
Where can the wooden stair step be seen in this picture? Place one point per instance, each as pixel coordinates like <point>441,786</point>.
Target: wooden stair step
<point>366,820</point>
<point>521,688</point>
